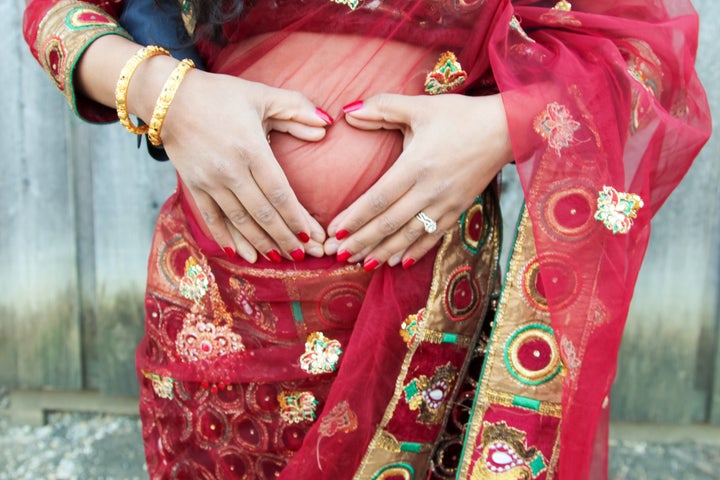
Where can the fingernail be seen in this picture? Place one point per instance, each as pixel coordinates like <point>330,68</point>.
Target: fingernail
<point>351,107</point>
<point>408,262</point>
<point>298,254</point>
<point>229,252</point>
<point>274,256</point>
<point>303,237</point>
<point>341,234</point>
<point>343,255</point>
<point>324,115</point>
<point>316,252</point>
<point>370,264</point>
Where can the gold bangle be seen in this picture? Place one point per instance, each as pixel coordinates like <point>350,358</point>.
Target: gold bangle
<point>166,97</point>
<point>121,89</point>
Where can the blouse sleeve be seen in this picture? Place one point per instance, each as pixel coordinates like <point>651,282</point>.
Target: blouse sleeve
<point>606,114</point>
<point>59,32</point>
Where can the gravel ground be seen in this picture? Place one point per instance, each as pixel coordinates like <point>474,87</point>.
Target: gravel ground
<point>101,447</point>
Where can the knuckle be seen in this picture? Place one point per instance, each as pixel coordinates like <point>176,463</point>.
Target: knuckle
<point>278,196</point>
<point>388,224</point>
<point>211,217</point>
<point>265,215</point>
<point>237,217</point>
<point>378,201</point>
<point>412,233</point>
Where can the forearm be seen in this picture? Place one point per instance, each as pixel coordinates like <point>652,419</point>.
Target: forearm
<point>99,69</point>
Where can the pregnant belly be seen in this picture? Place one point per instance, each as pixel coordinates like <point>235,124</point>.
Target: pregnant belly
<point>332,71</point>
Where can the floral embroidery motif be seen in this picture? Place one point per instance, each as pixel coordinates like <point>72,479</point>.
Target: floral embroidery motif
<point>429,394</point>
<point>505,452</point>
<point>352,4</point>
<point>82,17</point>
<point>163,386</point>
<point>446,76</point>
<point>556,126</point>
<point>202,338</point>
<point>341,419</point>
<point>194,285</point>
<point>297,407</point>
<point>321,354</point>
<point>410,327</point>
<point>616,210</point>
<point>515,25</point>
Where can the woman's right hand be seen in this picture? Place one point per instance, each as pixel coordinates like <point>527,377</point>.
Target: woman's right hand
<point>216,135</point>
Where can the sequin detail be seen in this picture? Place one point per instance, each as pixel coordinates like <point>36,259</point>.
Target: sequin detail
<point>515,25</point>
<point>297,407</point>
<point>556,126</point>
<point>410,327</point>
<point>163,386</point>
<point>321,354</point>
<point>352,4</point>
<point>429,394</point>
<point>563,5</point>
<point>616,210</point>
<point>446,76</point>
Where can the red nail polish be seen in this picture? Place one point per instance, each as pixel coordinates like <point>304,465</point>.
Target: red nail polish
<point>341,234</point>
<point>370,264</point>
<point>408,262</point>
<point>303,237</point>
<point>274,256</point>
<point>229,252</point>
<point>324,116</point>
<point>351,107</point>
<point>297,254</point>
<point>343,255</point>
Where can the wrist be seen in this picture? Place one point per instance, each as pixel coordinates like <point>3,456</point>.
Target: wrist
<point>147,84</point>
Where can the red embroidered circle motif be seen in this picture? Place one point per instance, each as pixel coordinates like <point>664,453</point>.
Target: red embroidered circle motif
<point>461,295</point>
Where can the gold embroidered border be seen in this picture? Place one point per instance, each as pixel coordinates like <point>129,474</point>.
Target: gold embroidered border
<point>506,400</point>
<point>63,35</point>
<point>436,322</point>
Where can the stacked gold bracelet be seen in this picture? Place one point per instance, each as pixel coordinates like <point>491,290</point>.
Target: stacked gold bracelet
<point>121,89</point>
<point>166,97</point>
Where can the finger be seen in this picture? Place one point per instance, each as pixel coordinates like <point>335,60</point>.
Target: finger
<point>214,218</point>
<point>238,217</point>
<point>284,104</point>
<point>386,110</point>
<point>409,244</point>
<point>243,247</point>
<point>377,199</point>
<point>298,130</point>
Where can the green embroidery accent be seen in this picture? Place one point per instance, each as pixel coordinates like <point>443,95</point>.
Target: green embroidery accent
<point>297,312</point>
<point>449,338</point>
<point>411,389</point>
<point>403,470</point>
<point>537,465</point>
<point>411,447</point>
<point>526,402</point>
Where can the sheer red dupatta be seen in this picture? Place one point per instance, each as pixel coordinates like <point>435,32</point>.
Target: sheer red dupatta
<point>602,95</point>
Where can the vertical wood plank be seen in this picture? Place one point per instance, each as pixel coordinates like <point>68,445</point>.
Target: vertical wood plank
<point>38,287</point>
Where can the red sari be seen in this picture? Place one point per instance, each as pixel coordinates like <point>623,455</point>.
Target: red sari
<point>320,370</point>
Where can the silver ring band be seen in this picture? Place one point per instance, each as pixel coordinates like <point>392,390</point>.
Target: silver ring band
<point>428,223</point>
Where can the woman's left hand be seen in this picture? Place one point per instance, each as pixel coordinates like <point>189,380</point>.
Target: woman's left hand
<point>453,147</point>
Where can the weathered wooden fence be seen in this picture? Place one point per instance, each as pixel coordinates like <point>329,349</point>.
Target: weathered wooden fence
<point>78,202</point>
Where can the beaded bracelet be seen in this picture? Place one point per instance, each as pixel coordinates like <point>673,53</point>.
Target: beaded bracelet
<point>121,89</point>
<point>166,97</point>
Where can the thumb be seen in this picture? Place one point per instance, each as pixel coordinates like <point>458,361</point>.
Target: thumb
<point>383,111</point>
